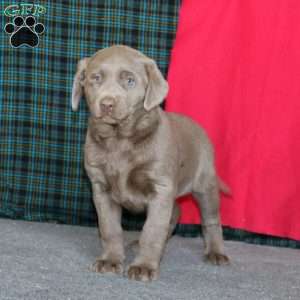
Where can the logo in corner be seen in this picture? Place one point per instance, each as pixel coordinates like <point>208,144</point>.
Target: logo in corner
<point>24,30</point>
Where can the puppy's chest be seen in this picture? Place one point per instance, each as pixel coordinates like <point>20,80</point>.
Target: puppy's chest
<point>129,180</point>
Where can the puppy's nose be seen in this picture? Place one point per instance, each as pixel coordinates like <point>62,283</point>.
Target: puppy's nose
<point>107,105</point>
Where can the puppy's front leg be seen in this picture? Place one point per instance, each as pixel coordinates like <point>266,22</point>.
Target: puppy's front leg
<point>111,234</point>
<point>145,266</point>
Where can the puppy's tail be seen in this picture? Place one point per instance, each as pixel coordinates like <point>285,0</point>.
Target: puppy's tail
<point>224,188</point>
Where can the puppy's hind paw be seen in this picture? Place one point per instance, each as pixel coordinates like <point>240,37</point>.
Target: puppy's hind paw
<point>217,259</point>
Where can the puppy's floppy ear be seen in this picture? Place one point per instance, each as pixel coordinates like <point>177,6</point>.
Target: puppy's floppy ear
<point>157,88</point>
<point>78,82</point>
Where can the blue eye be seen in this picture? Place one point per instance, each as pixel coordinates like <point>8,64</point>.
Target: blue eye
<point>130,82</point>
<point>97,77</point>
<point>127,79</point>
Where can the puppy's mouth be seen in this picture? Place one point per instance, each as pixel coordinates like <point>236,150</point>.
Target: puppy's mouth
<point>110,120</point>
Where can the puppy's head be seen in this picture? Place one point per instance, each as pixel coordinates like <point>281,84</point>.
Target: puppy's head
<point>117,81</point>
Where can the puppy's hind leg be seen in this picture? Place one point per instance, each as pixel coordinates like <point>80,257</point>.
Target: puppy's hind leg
<point>207,196</point>
<point>174,220</point>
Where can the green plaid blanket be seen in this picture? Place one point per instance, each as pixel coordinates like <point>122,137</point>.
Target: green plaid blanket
<point>42,177</point>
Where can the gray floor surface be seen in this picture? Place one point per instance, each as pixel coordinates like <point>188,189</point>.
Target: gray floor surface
<point>49,261</point>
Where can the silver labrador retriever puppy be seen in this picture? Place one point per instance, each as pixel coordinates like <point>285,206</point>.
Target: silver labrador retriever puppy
<point>139,157</point>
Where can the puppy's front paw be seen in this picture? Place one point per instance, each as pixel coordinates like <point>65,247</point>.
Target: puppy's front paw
<point>142,272</point>
<point>217,259</point>
<point>107,265</point>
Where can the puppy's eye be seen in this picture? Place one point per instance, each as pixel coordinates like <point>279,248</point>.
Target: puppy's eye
<point>97,77</point>
<point>130,81</point>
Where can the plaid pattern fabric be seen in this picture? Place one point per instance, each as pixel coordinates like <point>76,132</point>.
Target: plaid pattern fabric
<point>42,176</point>
<point>192,230</point>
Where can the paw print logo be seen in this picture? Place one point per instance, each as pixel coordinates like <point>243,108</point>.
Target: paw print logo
<point>24,31</point>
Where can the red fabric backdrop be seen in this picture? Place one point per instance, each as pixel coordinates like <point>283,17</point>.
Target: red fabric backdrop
<point>235,68</point>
